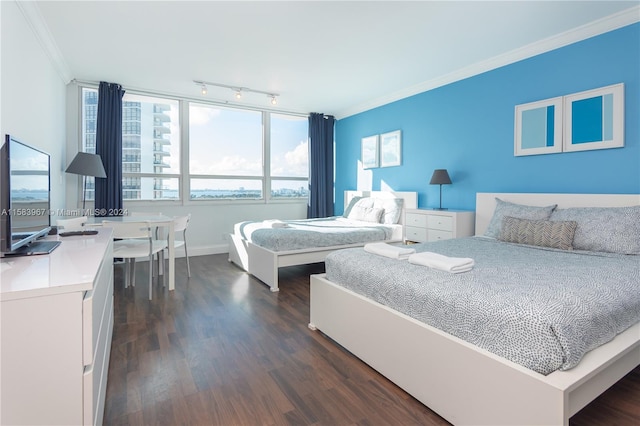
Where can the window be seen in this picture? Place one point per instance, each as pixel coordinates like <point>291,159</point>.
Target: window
<point>225,153</point>
<point>289,143</point>
<point>226,147</point>
<point>234,153</point>
<point>150,145</point>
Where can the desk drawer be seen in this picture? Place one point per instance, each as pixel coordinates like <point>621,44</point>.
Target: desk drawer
<point>95,375</point>
<point>443,223</point>
<point>417,220</point>
<point>435,235</point>
<point>415,234</point>
<point>95,308</point>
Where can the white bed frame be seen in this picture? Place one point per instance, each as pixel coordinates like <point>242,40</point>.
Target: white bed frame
<point>461,382</point>
<point>264,263</point>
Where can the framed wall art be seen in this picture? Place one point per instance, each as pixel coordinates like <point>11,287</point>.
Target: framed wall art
<point>369,146</point>
<point>594,119</point>
<point>538,127</point>
<point>391,149</point>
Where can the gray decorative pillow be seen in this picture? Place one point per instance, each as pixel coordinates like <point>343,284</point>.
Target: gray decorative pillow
<point>520,211</point>
<point>543,233</point>
<point>606,229</point>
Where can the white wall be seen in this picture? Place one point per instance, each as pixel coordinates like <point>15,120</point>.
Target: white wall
<point>32,95</point>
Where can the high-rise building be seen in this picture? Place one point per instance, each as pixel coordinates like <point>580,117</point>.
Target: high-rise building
<point>145,137</point>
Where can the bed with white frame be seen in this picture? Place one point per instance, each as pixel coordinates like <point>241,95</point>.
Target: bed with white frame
<point>264,263</point>
<point>460,381</point>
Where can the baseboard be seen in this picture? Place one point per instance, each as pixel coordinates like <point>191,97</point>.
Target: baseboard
<point>204,250</point>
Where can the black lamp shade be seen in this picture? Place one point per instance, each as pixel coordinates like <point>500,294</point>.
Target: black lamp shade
<point>87,165</point>
<point>440,177</point>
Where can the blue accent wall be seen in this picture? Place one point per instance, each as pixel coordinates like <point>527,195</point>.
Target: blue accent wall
<point>467,127</point>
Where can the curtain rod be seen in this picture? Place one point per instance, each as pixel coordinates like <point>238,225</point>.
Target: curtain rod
<point>220,102</point>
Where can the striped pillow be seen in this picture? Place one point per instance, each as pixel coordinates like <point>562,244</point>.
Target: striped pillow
<point>542,233</point>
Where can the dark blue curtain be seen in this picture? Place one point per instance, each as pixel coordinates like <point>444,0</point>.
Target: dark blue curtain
<point>109,147</point>
<point>320,165</point>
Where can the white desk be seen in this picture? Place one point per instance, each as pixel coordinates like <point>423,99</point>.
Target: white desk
<point>161,221</point>
<point>56,312</point>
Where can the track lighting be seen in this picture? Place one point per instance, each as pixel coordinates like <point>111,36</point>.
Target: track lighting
<point>238,91</point>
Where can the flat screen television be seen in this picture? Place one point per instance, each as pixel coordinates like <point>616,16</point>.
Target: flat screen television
<point>24,199</point>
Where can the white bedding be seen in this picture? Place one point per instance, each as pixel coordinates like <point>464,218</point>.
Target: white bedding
<point>541,308</point>
<point>331,231</point>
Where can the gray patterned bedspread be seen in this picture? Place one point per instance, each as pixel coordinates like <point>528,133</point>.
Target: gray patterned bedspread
<point>309,233</point>
<point>541,308</point>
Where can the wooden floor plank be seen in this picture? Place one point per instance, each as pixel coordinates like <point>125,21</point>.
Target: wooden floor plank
<point>223,350</point>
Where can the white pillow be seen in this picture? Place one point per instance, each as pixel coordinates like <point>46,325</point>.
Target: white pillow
<point>367,214</point>
<point>352,203</point>
<point>392,208</point>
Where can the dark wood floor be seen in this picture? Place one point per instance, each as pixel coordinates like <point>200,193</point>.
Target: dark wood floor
<point>223,350</point>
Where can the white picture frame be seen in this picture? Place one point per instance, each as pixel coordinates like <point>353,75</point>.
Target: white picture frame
<point>391,149</point>
<point>369,152</point>
<point>538,127</point>
<point>594,119</point>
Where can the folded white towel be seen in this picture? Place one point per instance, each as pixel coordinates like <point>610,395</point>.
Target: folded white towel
<point>455,265</point>
<point>275,223</point>
<point>387,250</point>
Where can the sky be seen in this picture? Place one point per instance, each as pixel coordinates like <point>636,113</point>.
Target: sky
<point>226,141</point>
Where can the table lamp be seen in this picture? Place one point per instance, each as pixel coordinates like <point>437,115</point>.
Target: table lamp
<point>440,177</point>
<point>85,164</point>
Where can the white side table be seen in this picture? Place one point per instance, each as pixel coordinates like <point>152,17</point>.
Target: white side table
<point>423,225</point>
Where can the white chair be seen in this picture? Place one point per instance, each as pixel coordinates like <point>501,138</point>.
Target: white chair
<point>135,240</point>
<point>180,224</point>
<point>150,214</point>
<point>72,224</point>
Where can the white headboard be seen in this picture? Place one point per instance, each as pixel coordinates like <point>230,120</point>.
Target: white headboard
<point>410,198</point>
<point>486,202</point>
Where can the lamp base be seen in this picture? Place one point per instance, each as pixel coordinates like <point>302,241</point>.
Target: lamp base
<point>440,208</point>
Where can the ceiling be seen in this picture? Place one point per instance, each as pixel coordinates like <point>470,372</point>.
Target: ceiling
<point>335,57</point>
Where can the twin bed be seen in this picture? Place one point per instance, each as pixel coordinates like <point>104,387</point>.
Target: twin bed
<point>261,248</point>
<point>530,335</point>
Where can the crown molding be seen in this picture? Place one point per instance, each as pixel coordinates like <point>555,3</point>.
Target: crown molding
<point>583,32</point>
<point>32,14</point>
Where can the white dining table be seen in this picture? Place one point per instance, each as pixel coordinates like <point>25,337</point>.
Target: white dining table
<point>158,220</point>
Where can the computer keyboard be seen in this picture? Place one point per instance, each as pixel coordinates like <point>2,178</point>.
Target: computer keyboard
<point>74,233</point>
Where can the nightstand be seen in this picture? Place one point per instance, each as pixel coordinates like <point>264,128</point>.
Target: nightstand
<point>422,225</point>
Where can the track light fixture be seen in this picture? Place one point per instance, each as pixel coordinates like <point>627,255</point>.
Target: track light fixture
<point>237,90</point>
